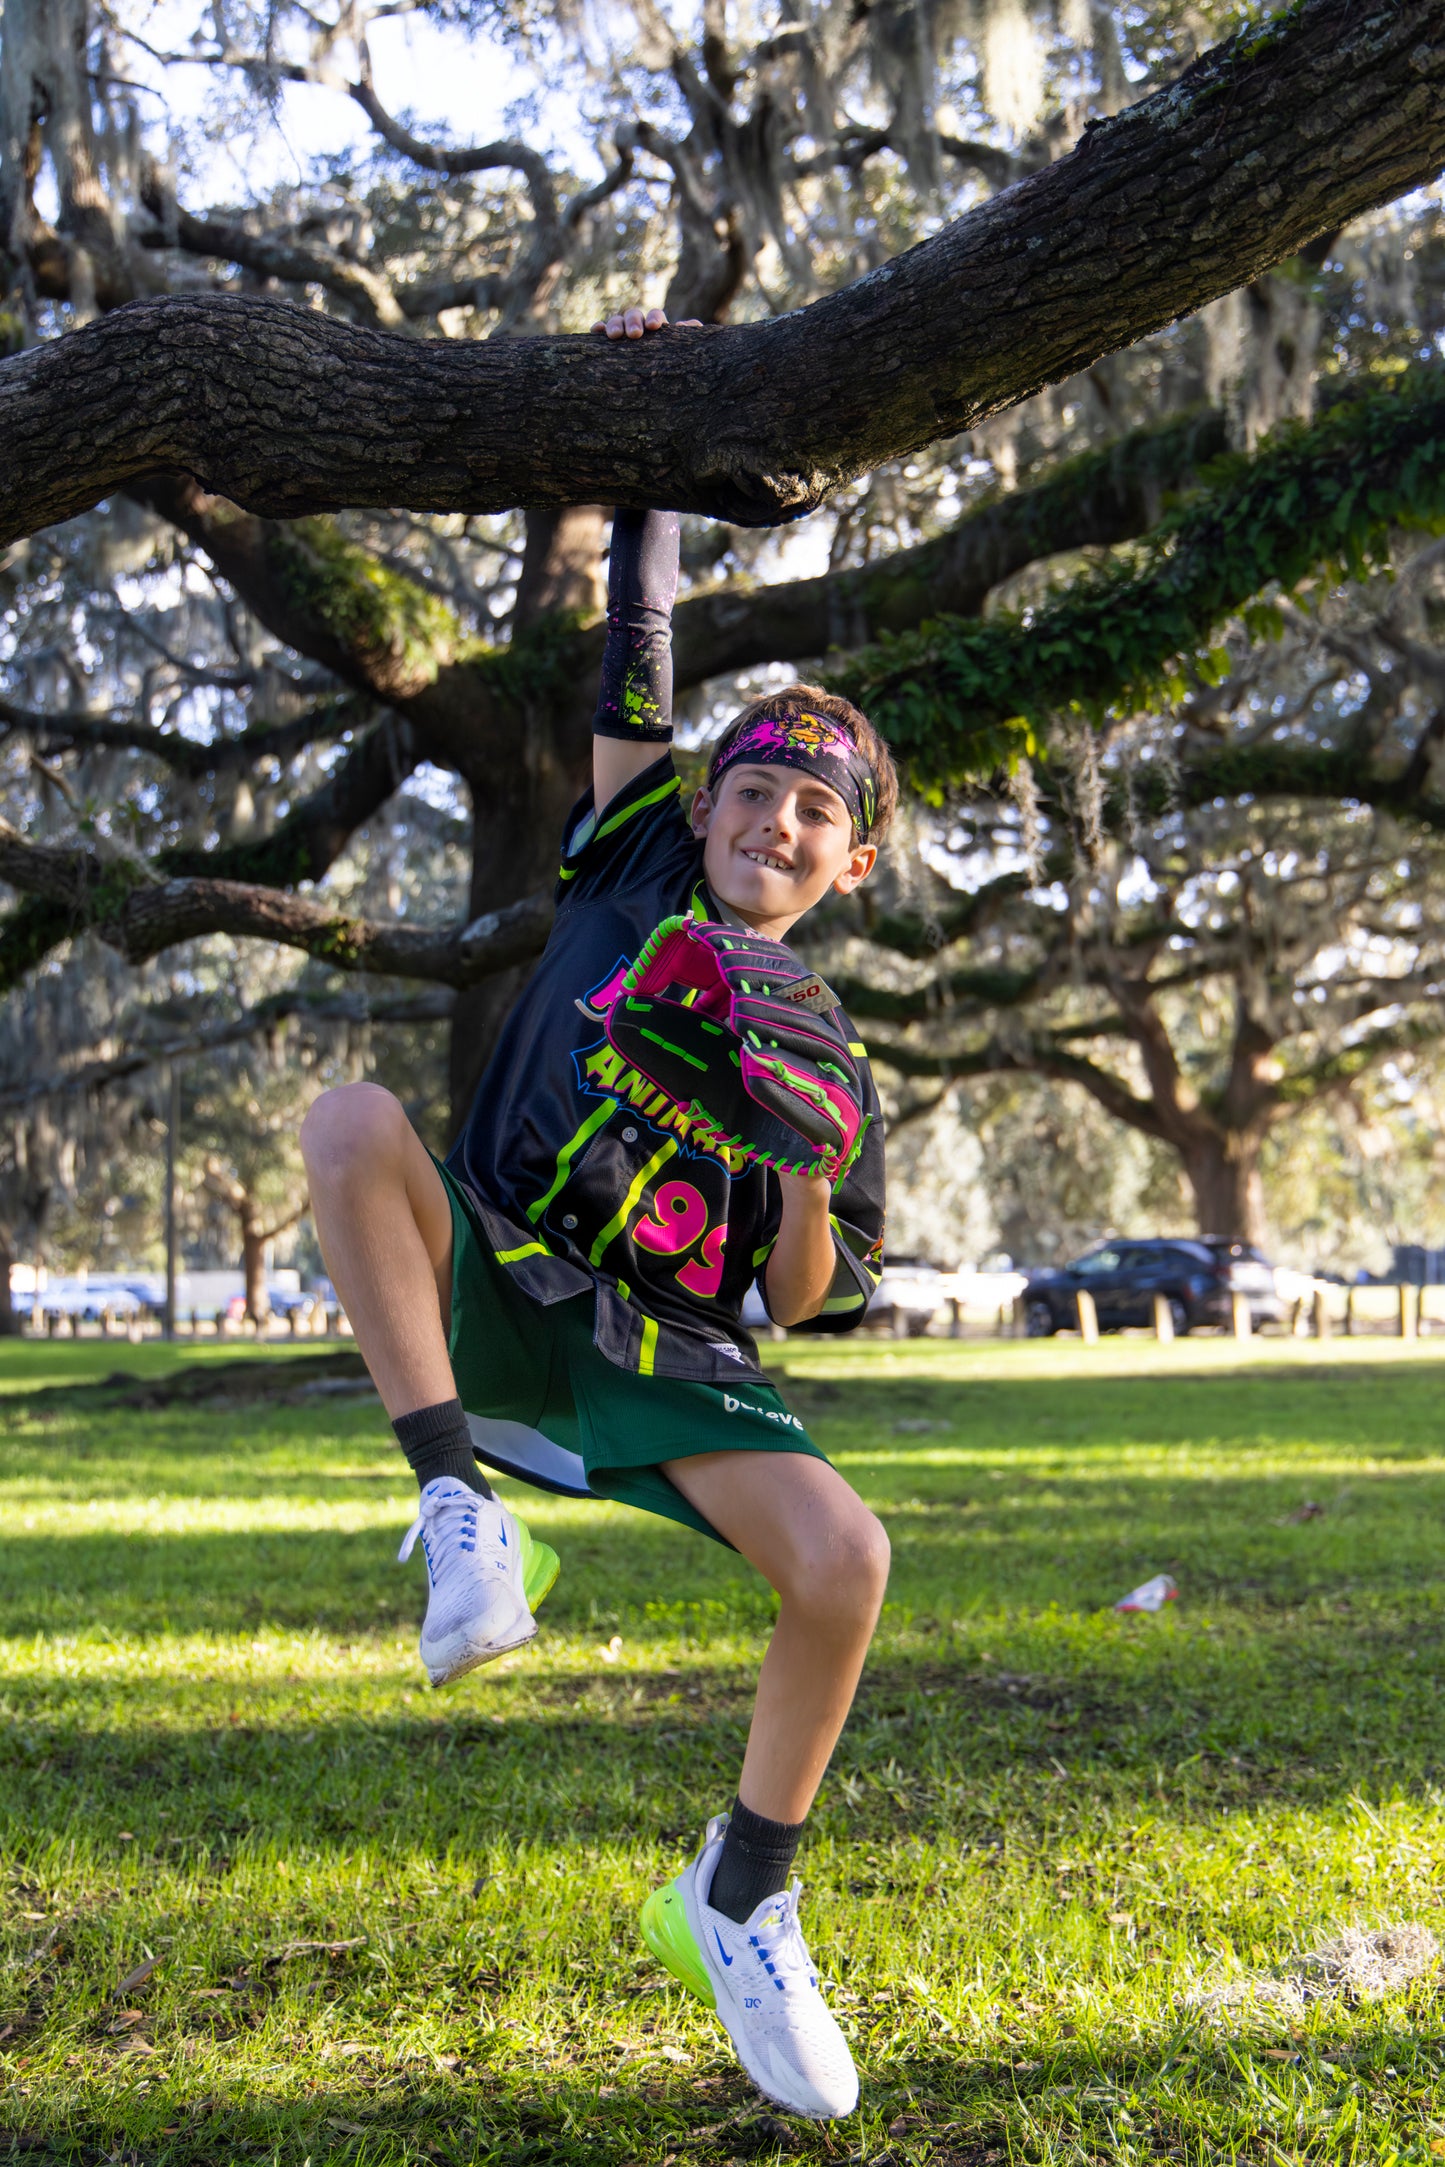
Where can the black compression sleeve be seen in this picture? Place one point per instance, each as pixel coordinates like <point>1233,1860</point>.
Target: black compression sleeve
<point>635,699</point>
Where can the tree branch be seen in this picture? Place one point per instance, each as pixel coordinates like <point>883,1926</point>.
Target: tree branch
<point>67,729</point>
<point>1105,497</point>
<point>1030,1058</point>
<point>1270,139</point>
<point>433,1006</point>
<point>140,915</point>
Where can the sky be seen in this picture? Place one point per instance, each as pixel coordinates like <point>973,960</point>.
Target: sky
<point>444,79</point>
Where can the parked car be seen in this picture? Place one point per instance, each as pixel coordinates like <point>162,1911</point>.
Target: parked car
<point>911,1291</point>
<point>87,1304</point>
<point>1198,1279</point>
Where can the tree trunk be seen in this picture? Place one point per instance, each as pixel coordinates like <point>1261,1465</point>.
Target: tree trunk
<point>518,809</point>
<point>9,1322</point>
<point>1285,132</point>
<point>253,1264</point>
<point>1223,1172</point>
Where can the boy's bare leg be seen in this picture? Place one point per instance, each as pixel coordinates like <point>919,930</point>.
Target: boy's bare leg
<point>815,1541</point>
<point>385,1227</point>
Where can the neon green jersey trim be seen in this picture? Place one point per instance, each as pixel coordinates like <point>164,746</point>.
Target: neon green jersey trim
<point>528,1249</point>
<point>839,1303</point>
<point>569,1150</point>
<point>630,812</point>
<point>647,1360</point>
<point>619,1218</point>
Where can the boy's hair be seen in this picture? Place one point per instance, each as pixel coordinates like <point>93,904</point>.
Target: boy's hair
<point>834,708</point>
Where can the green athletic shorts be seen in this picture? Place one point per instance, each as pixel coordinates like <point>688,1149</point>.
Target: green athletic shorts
<point>534,1378</point>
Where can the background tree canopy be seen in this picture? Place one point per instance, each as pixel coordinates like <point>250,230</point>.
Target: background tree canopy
<point>1157,643</point>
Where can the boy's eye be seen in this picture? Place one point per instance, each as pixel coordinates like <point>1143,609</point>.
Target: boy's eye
<point>749,790</point>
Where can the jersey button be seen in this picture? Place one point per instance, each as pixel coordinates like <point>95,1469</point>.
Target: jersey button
<point>569,1220</point>
<point>629,1136</point>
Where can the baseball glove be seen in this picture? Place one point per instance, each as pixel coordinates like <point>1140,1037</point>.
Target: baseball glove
<point>734,1028</point>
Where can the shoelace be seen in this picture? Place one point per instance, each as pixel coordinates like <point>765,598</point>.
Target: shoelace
<point>450,1521</point>
<point>788,1954</point>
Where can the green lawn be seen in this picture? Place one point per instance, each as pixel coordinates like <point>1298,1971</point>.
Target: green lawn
<point>390,1925</point>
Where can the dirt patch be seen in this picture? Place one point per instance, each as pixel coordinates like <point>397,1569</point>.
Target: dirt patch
<point>296,1381</point>
<point>1358,1965</point>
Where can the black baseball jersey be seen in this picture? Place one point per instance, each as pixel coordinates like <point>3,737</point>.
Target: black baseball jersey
<point>585,1174</point>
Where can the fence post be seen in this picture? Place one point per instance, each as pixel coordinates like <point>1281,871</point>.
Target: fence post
<point>1088,1317</point>
<point>1243,1321</point>
<point>955,1322</point>
<point>1163,1318</point>
<point>1321,1316</point>
<point>1409,1301</point>
<point>1349,1312</point>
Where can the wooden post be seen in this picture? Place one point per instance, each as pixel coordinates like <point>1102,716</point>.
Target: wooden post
<point>897,1322</point>
<point>1320,1314</point>
<point>1020,1323</point>
<point>1349,1312</point>
<point>1163,1318</point>
<point>173,1124</point>
<point>1243,1321</point>
<point>1088,1318</point>
<point>1409,1311</point>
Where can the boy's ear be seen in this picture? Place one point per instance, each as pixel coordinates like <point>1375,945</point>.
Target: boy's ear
<point>861,862</point>
<point>702,810</point>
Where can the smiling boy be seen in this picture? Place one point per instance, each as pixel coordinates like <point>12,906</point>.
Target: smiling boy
<point>562,1299</point>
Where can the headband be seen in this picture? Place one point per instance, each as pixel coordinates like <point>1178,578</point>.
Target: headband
<point>787,735</point>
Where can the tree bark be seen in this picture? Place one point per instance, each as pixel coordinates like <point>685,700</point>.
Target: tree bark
<point>9,1322</point>
<point>1223,1173</point>
<point>1264,143</point>
<point>520,804</point>
<point>253,1264</point>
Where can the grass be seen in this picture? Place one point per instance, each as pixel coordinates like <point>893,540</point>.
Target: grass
<point>393,1926</point>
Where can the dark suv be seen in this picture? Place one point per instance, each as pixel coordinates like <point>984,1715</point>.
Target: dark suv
<point>1198,1279</point>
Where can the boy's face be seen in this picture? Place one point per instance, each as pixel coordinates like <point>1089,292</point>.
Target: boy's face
<point>777,841</point>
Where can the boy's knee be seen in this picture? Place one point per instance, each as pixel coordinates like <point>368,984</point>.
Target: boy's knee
<point>353,1122</point>
<point>841,1569</point>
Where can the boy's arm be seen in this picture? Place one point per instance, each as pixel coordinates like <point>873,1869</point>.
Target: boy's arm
<point>634,707</point>
<point>633,721</point>
<point>801,1267</point>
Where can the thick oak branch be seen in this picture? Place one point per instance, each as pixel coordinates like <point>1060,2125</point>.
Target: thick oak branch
<point>1267,141</point>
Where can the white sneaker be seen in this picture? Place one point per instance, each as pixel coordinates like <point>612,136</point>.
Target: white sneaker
<point>760,1979</point>
<point>483,1566</point>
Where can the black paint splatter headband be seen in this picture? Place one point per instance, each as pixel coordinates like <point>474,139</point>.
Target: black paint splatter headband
<point>790,735</point>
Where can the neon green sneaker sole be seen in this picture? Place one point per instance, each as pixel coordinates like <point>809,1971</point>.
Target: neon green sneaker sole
<point>540,1566</point>
<point>670,1938</point>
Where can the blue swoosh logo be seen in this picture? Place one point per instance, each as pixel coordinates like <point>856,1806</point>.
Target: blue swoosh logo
<point>722,1952</point>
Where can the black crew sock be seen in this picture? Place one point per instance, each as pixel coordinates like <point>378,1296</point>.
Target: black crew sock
<point>437,1442</point>
<point>755,1861</point>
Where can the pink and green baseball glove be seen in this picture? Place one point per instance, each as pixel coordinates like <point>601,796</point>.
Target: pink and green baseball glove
<point>734,1028</point>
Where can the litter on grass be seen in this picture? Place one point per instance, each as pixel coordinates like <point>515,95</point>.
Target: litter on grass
<point>1150,1594</point>
<point>1358,1965</point>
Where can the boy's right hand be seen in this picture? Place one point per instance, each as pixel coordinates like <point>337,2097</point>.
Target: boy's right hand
<point>634,323</point>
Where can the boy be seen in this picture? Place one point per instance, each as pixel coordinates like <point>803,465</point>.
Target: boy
<point>562,1298</point>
